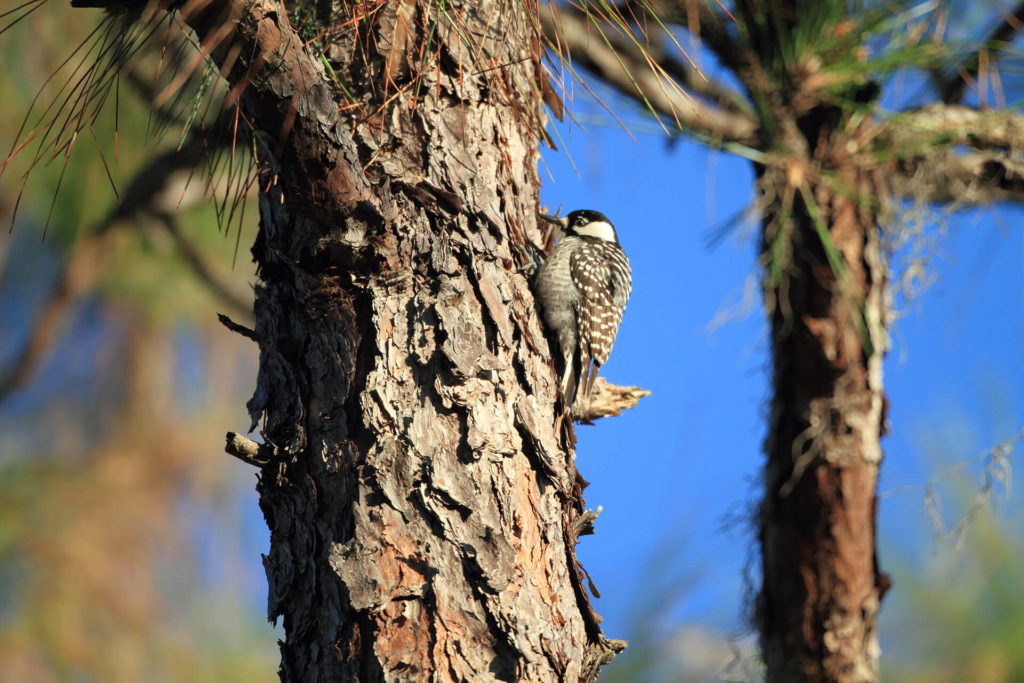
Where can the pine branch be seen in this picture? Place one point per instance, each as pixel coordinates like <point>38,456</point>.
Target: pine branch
<point>955,124</point>
<point>699,19</point>
<point>248,451</point>
<point>621,64</point>
<point>956,154</point>
<point>961,179</point>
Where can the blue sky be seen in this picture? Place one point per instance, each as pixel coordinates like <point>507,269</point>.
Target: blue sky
<point>675,474</point>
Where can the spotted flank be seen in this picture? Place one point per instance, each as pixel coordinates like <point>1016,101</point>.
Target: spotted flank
<point>602,277</point>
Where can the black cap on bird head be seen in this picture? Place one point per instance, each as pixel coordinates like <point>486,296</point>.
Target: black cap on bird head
<point>584,223</point>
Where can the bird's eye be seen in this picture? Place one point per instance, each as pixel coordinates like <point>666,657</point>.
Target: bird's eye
<point>581,221</point>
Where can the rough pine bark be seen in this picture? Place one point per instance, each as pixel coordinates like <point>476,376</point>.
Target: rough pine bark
<point>423,504</point>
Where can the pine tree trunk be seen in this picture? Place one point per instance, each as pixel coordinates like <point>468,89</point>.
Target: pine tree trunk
<point>821,586</point>
<point>423,509</point>
<point>823,197</point>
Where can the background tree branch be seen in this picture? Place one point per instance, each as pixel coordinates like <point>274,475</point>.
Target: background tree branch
<point>953,154</point>
<point>619,62</point>
<point>953,124</point>
<point>962,179</point>
<point>709,26</point>
<point>152,192</point>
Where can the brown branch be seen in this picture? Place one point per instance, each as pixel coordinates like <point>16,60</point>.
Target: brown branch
<point>622,66</point>
<point>955,154</point>
<point>958,125</point>
<point>248,451</point>
<point>246,332</point>
<point>952,88</point>
<point>709,28</point>
<point>704,23</point>
<point>962,179</point>
<point>609,400</point>
<point>694,81</point>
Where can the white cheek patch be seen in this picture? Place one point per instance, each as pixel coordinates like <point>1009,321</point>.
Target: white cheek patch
<point>599,229</point>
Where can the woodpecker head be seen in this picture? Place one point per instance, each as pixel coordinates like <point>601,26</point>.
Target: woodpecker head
<point>584,223</point>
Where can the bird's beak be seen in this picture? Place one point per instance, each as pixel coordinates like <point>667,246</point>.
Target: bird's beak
<point>558,226</point>
<point>553,219</point>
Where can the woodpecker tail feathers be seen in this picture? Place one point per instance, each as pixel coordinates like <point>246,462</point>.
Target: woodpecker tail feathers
<point>577,385</point>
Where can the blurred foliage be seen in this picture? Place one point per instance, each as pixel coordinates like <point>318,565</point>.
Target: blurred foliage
<point>957,611</point>
<point>129,542</point>
<point>126,558</point>
<point>665,649</point>
<point>140,261</point>
<point>961,615</point>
